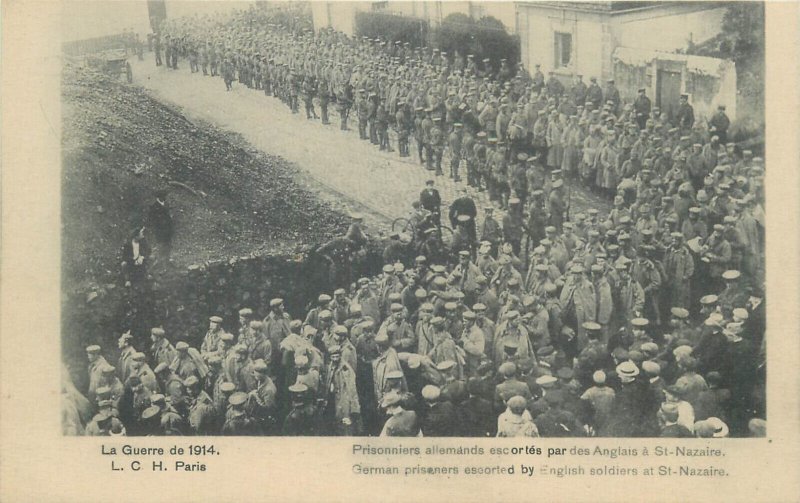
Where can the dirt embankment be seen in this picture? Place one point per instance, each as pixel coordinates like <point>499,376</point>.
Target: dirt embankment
<point>120,145</point>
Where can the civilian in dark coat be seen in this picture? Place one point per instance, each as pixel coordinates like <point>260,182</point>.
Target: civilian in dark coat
<point>159,221</point>
<point>477,419</point>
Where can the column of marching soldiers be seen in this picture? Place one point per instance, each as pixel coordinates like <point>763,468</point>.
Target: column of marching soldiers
<point>645,321</point>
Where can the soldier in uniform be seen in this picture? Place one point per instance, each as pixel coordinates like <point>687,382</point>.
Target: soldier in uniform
<point>401,422</point>
<point>684,118</point>
<point>641,108</point>
<point>454,142</point>
<point>718,125</point>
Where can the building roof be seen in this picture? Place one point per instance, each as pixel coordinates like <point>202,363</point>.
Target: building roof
<point>618,7</point>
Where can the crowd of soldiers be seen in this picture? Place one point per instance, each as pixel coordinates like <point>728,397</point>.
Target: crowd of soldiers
<point>475,116</point>
<point>644,321</point>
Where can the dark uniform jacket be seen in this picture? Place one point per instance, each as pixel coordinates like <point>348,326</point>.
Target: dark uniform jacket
<point>439,420</point>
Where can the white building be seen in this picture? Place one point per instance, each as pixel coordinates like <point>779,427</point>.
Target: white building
<point>634,43</point>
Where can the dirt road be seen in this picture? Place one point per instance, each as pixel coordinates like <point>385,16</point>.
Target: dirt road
<point>383,182</point>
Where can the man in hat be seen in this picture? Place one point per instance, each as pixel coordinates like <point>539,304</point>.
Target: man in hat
<point>323,304</point>
<point>161,350</point>
<point>515,421</point>
<point>600,400</point>
<point>476,415</point>
<point>188,362</point>
<point>384,364</point>
<point>201,417</point>
<point>557,421</point>
<point>511,340</point>
<point>558,206</point>
<point>300,421</point>
<point>718,125</point>
<point>510,387</point>
<point>612,96</point>
<point>491,230</point>
<point>238,422</point>
<point>211,341</point>
<point>342,409</point>
<point>473,341</point>
<point>238,368</point>
<point>159,221</point>
<point>430,199</point>
<point>464,205</point>
<point>578,303</point>
<point>671,427</point>
<point>454,141</point>
<point>262,400</point>
<point>401,422</point>
<point>684,118</point>
<point>594,94</point>
<point>641,108</point>
<point>126,352</point>
<point>276,326</point>
<point>679,269</point>
<point>628,417</point>
<point>438,414</point>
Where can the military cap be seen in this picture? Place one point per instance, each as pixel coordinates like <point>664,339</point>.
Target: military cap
<point>714,320</point>
<point>182,346</point>
<point>340,330</point>
<point>94,348</point>
<point>227,387</point>
<point>215,319</point>
<point>546,381</point>
<point>576,269</point>
<point>298,388</point>
<point>708,299</point>
<point>469,315</point>
<point>591,325</point>
<point>151,412</point>
<point>324,298</point>
<point>161,367</point>
<point>366,324</point>
<point>245,312</point>
<point>682,351</point>
<point>640,322</point>
<point>649,348</point>
<point>190,381</point>
<point>651,368</point>
<point>731,275</point>
<point>276,302</point>
<point>226,337</point>
<point>514,201</point>
<point>627,369</point>
<point>158,331</point>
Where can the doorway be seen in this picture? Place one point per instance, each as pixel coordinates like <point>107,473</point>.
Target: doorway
<point>668,92</point>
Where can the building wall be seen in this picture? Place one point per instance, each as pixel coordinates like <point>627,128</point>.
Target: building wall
<point>538,27</point>
<point>596,33</point>
<point>674,26</point>
<point>341,16</point>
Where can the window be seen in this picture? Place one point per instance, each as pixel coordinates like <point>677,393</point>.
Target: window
<point>563,49</point>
